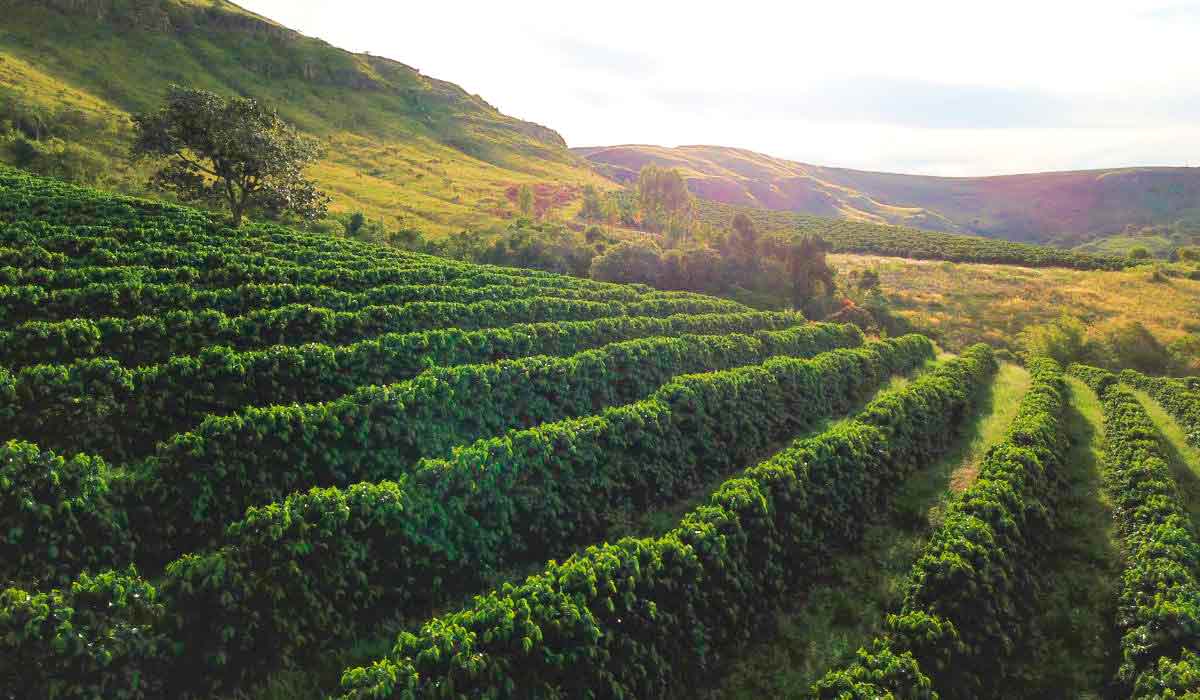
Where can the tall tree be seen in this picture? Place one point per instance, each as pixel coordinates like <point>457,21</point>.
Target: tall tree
<point>525,201</point>
<point>745,235</point>
<point>807,268</point>
<point>664,200</point>
<point>230,150</point>
<point>593,208</point>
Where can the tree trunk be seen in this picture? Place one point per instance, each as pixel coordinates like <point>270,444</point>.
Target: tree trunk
<point>236,207</point>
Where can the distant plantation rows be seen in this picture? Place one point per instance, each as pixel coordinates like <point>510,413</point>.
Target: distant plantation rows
<point>847,236</point>
<point>268,463</point>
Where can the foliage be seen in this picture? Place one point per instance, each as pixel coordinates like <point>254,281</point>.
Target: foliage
<point>968,610</point>
<point>99,638</point>
<point>1063,340</point>
<point>608,620</point>
<point>232,150</point>
<point>1160,601</point>
<point>664,201</point>
<point>1177,397</point>
<point>56,517</point>
<point>100,407</point>
<point>628,261</point>
<point>850,236</point>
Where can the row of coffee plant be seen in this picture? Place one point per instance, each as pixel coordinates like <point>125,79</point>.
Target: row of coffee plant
<point>970,606</point>
<point>33,303</point>
<point>1159,607</point>
<point>545,486</point>
<point>101,407</point>
<point>1179,397</point>
<point>647,617</point>
<point>317,567</point>
<point>154,339</point>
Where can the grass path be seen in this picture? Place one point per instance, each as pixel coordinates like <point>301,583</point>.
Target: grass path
<point>1079,648</point>
<point>847,610</point>
<point>1184,459</point>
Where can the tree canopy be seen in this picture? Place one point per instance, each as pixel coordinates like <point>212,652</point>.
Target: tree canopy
<point>233,151</point>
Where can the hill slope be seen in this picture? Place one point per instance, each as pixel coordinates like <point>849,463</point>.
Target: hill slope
<point>1042,207</point>
<point>402,144</point>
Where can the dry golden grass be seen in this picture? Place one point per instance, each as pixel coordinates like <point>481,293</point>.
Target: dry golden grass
<point>965,303</point>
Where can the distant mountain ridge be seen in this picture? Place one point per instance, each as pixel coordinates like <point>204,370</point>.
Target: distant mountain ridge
<point>1061,207</point>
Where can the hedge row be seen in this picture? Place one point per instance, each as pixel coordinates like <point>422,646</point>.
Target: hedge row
<point>1159,613</point>
<point>112,243</point>
<point>128,299</point>
<point>972,597</point>
<point>98,406</point>
<point>647,617</point>
<point>152,339</point>
<point>1176,395</point>
<point>235,275</point>
<point>210,476</point>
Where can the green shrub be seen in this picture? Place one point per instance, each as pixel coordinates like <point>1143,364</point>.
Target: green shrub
<point>99,638</point>
<point>1159,606</point>
<point>56,518</point>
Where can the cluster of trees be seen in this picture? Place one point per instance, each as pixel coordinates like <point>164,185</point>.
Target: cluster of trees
<point>685,253</point>
<point>1115,346</point>
<point>676,251</point>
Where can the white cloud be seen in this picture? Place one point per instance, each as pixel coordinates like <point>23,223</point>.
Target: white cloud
<point>931,86</point>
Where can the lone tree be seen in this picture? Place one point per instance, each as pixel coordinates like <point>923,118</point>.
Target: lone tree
<point>231,150</point>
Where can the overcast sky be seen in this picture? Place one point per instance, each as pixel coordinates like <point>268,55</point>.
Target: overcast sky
<point>941,88</point>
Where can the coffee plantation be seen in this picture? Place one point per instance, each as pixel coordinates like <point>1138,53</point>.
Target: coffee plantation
<point>267,462</point>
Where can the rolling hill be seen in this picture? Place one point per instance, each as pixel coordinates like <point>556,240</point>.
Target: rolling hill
<point>403,146</point>
<point>1058,207</point>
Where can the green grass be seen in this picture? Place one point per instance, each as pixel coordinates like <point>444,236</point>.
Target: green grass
<point>847,610</point>
<point>1077,648</point>
<point>1184,459</point>
<point>404,148</point>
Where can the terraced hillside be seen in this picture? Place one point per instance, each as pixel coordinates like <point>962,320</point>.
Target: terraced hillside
<point>265,463</point>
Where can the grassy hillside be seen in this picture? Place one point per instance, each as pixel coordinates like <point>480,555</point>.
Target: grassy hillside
<point>403,147</point>
<point>1060,207</point>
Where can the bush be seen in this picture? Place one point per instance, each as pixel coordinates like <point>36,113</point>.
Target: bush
<point>56,518</point>
<point>628,261</point>
<point>1063,340</point>
<point>1159,613</point>
<point>100,638</point>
